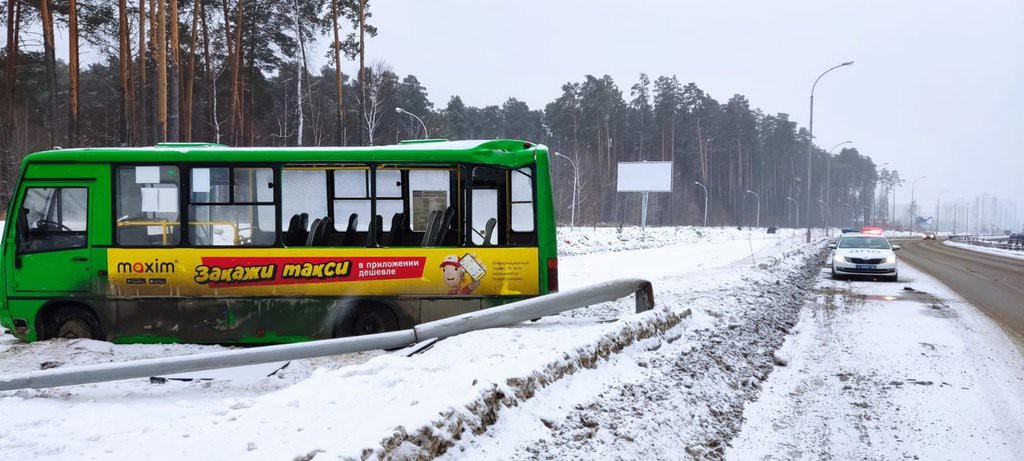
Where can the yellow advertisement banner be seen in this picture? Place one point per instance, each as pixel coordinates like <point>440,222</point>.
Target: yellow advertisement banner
<point>323,272</point>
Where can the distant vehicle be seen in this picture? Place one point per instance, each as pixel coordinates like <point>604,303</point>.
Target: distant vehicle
<point>928,236</point>
<point>1017,237</point>
<point>864,255</point>
<point>871,230</point>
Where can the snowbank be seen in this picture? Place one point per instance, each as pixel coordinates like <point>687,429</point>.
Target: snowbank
<point>989,250</point>
<point>718,293</point>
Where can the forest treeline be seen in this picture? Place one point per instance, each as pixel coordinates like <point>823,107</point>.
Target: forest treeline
<point>236,72</point>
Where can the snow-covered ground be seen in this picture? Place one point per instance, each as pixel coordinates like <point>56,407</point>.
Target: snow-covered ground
<point>859,375</point>
<point>980,249</point>
<point>389,405</point>
<point>902,370</point>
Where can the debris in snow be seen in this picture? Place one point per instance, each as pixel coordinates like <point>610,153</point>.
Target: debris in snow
<point>308,456</point>
<point>50,364</point>
<point>779,360</point>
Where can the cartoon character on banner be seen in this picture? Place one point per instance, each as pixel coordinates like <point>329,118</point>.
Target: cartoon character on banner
<point>455,271</point>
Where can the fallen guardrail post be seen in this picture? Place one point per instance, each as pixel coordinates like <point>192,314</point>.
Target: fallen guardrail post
<point>507,314</point>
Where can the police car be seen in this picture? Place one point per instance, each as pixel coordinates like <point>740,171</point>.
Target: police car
<point>865,255</point>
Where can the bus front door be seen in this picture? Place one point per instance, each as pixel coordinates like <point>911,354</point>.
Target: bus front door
<point>51,257</point>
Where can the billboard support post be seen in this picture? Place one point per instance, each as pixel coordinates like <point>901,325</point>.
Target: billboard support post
<point>643,211</point>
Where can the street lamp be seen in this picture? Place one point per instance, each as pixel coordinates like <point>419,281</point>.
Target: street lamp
<point>913,205</point>
<point>810,144</point>
<point>575,187</point>
<point>758,223</point>
<point>424,125</point>
<point>705,202</point>
<point>828,181</point>
<point>796,206</point>
<point>937,199</point>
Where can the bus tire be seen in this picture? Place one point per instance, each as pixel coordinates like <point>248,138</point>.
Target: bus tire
<point>366,319</point>
<point>72,322</point>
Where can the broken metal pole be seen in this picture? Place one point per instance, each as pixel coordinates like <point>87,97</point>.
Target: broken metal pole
<point>507,314</point>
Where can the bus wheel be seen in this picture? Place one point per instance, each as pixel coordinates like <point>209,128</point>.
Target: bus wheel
<point>72,322</point>
<point>367,319</point>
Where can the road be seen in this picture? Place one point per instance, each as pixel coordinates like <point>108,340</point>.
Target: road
<point>992,283</point>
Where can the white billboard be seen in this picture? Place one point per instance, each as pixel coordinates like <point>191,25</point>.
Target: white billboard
<point>645,177</point>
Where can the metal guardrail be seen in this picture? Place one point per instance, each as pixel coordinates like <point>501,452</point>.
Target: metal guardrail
<point>507,314</point>
<point>1015,244</point>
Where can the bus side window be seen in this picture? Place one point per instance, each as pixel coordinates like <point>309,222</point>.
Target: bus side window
<point>232,207</point>
<point>147,206</point>
<point>522,208</point>
<point>486,197</point>
<point>303,200</point>
<point>429,191</point>
<point>53,219</point>
<point>389,204</point>
<point>351,205</point>
<point>522,200</point>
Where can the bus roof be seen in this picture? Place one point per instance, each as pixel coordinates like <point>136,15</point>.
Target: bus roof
<point>504,152</point>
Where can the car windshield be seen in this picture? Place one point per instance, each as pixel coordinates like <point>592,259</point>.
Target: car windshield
<point>878,243</point>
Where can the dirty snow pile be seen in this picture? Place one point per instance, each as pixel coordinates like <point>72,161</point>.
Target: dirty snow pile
<point>597,383</point>
<point>675,395</point>
<point>980,249</point>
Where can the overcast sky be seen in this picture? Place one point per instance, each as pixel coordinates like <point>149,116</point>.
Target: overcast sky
<point>937,88</point>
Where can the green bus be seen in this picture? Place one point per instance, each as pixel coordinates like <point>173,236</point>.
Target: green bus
<point>203,243</point>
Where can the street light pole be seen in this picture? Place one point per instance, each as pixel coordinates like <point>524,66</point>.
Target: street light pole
<point>810,144</point>
<point>575,187</point>
<point>705,202</point>
<point>424,125</point>
<point>913,205</point>
<point>828,184</point>
<point>796,206</point>
<point>758,222</point>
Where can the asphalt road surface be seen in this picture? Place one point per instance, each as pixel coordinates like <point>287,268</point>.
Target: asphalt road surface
<point>994,284</point>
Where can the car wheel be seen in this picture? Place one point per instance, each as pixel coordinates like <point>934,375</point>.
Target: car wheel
<point>835,276</point>
<point>894,278</point>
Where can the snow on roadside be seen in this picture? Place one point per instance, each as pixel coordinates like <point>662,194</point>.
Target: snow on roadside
<point>680,394</point>
<point>880,372</point>
<point>989,250</point>
<point>381,403</point>
<point>587,240</point>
